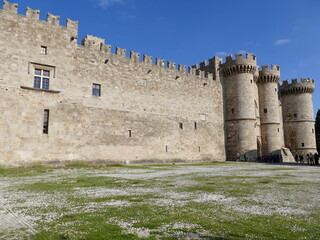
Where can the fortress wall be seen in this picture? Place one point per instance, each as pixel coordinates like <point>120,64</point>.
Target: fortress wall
<point>92,128</point>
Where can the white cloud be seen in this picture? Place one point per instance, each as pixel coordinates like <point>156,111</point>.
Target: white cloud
<point>107,3</point>
<point>282,42</point>
<point>222,54</point>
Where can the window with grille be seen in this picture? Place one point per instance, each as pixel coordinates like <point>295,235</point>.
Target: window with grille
<point>41,78</point>
<point>96,89</point>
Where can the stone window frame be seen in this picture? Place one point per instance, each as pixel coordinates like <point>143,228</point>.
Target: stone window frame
<point>34,65</point>
<point>31,70</point>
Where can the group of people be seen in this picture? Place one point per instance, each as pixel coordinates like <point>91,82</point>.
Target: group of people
<point>270,158</point>
<point>311,159</point>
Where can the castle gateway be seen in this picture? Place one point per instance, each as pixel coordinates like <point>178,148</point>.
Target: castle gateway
<point>61,101</point>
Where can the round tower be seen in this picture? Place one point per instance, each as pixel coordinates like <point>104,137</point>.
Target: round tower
<point>241,107</point>
<point>270,118</point>
<point>298,118</point>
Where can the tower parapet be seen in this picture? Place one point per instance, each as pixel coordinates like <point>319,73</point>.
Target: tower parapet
<point>239,64</point>
<point>305,85</point>
<point>269,74</point>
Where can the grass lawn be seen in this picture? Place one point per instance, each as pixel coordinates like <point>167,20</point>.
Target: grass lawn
<point>201,201</point>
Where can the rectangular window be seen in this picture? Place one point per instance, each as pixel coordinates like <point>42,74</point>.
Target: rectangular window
<point>265,110</point>
<point>295,115</point>
<point>44,50</point>
<point>129,133</point>
<point>142,82</point>
<point>302,144</point>
<point>278,129</point>
<point>199,149</point>
<point>41,79</point>
<point>96,89</point>
<point>232,110</point>
<point>166,148</point>
<point>312,130</point>
<point>203,117</point>
<point>46,121</point>
<point>181,125</point>
<point>195,125</point>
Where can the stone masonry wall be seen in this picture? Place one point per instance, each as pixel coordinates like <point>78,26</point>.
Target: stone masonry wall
<point>138,116</point>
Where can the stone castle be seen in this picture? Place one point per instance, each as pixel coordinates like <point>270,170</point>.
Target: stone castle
<point>61,101</point>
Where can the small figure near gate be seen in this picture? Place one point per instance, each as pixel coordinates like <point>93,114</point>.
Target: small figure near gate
<point>301,158</point>
<point>316,159</point>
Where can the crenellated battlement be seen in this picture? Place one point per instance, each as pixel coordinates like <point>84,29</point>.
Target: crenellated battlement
<point>10,7</point>
<point>269,74</point>
<point>240,58</point>
<point>266,68</point>
<point>212,66</point>
<point>305,85</point>
<point>239,64</point>
<point>72,26</point>
<point>32,13</point>
<point>98,44</point>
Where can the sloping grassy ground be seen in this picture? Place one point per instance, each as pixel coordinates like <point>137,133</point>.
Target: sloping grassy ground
<point>202,201</point>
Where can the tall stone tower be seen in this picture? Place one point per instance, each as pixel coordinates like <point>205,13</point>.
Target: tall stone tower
<point>241,108</point>
<point>298,119</point>
<point>271,128</point>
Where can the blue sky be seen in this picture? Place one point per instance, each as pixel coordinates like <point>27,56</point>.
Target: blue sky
<point>281,32</point>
